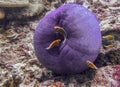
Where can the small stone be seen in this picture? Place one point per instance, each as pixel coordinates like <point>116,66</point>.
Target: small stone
<point>80,1</point>
<point>114,8</point>
<point>95,1</point>
<point>108,2</point>
<point>3,40</point>
<point>14,3</point>
<point>11,34</point>
<point>70,1</point>
<point>34,8</point>
<point>33,68</point>
<point>33,61</point>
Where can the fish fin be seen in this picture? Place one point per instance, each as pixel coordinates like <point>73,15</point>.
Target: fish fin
<point>48,48</point>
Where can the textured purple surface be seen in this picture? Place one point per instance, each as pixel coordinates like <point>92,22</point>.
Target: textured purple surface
<point>82,44</point>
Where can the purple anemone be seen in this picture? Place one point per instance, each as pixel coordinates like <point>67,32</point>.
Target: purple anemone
<point>79,39</point>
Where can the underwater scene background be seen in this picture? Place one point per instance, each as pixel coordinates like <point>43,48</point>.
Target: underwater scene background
<point>19,65</point>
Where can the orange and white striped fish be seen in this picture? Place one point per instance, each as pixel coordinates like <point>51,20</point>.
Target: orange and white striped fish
<point>109,46</point>
<point>109,37</point>
<point>61,31</point>
<point>53,44</point>
<point>91,65</point>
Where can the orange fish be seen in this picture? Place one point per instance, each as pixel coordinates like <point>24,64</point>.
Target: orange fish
<point>61,31</point>
<point>2,14</point>
<point>54,43</point>
<point>91,65</point>
<point>109,47</point>
<point>109,37</point>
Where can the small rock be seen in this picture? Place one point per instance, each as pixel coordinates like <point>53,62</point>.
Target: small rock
<point>34,8</point>
<point>108,2</point>
<point>95,1</point>
<point>70,1</point>
<point>33,68</point>
<point>14,3</point>
<point>80,1</point>
<point>11,34</point>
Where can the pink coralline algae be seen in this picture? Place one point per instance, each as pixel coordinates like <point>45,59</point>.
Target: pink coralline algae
<point>78,32</point>
<point>108,76</point>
